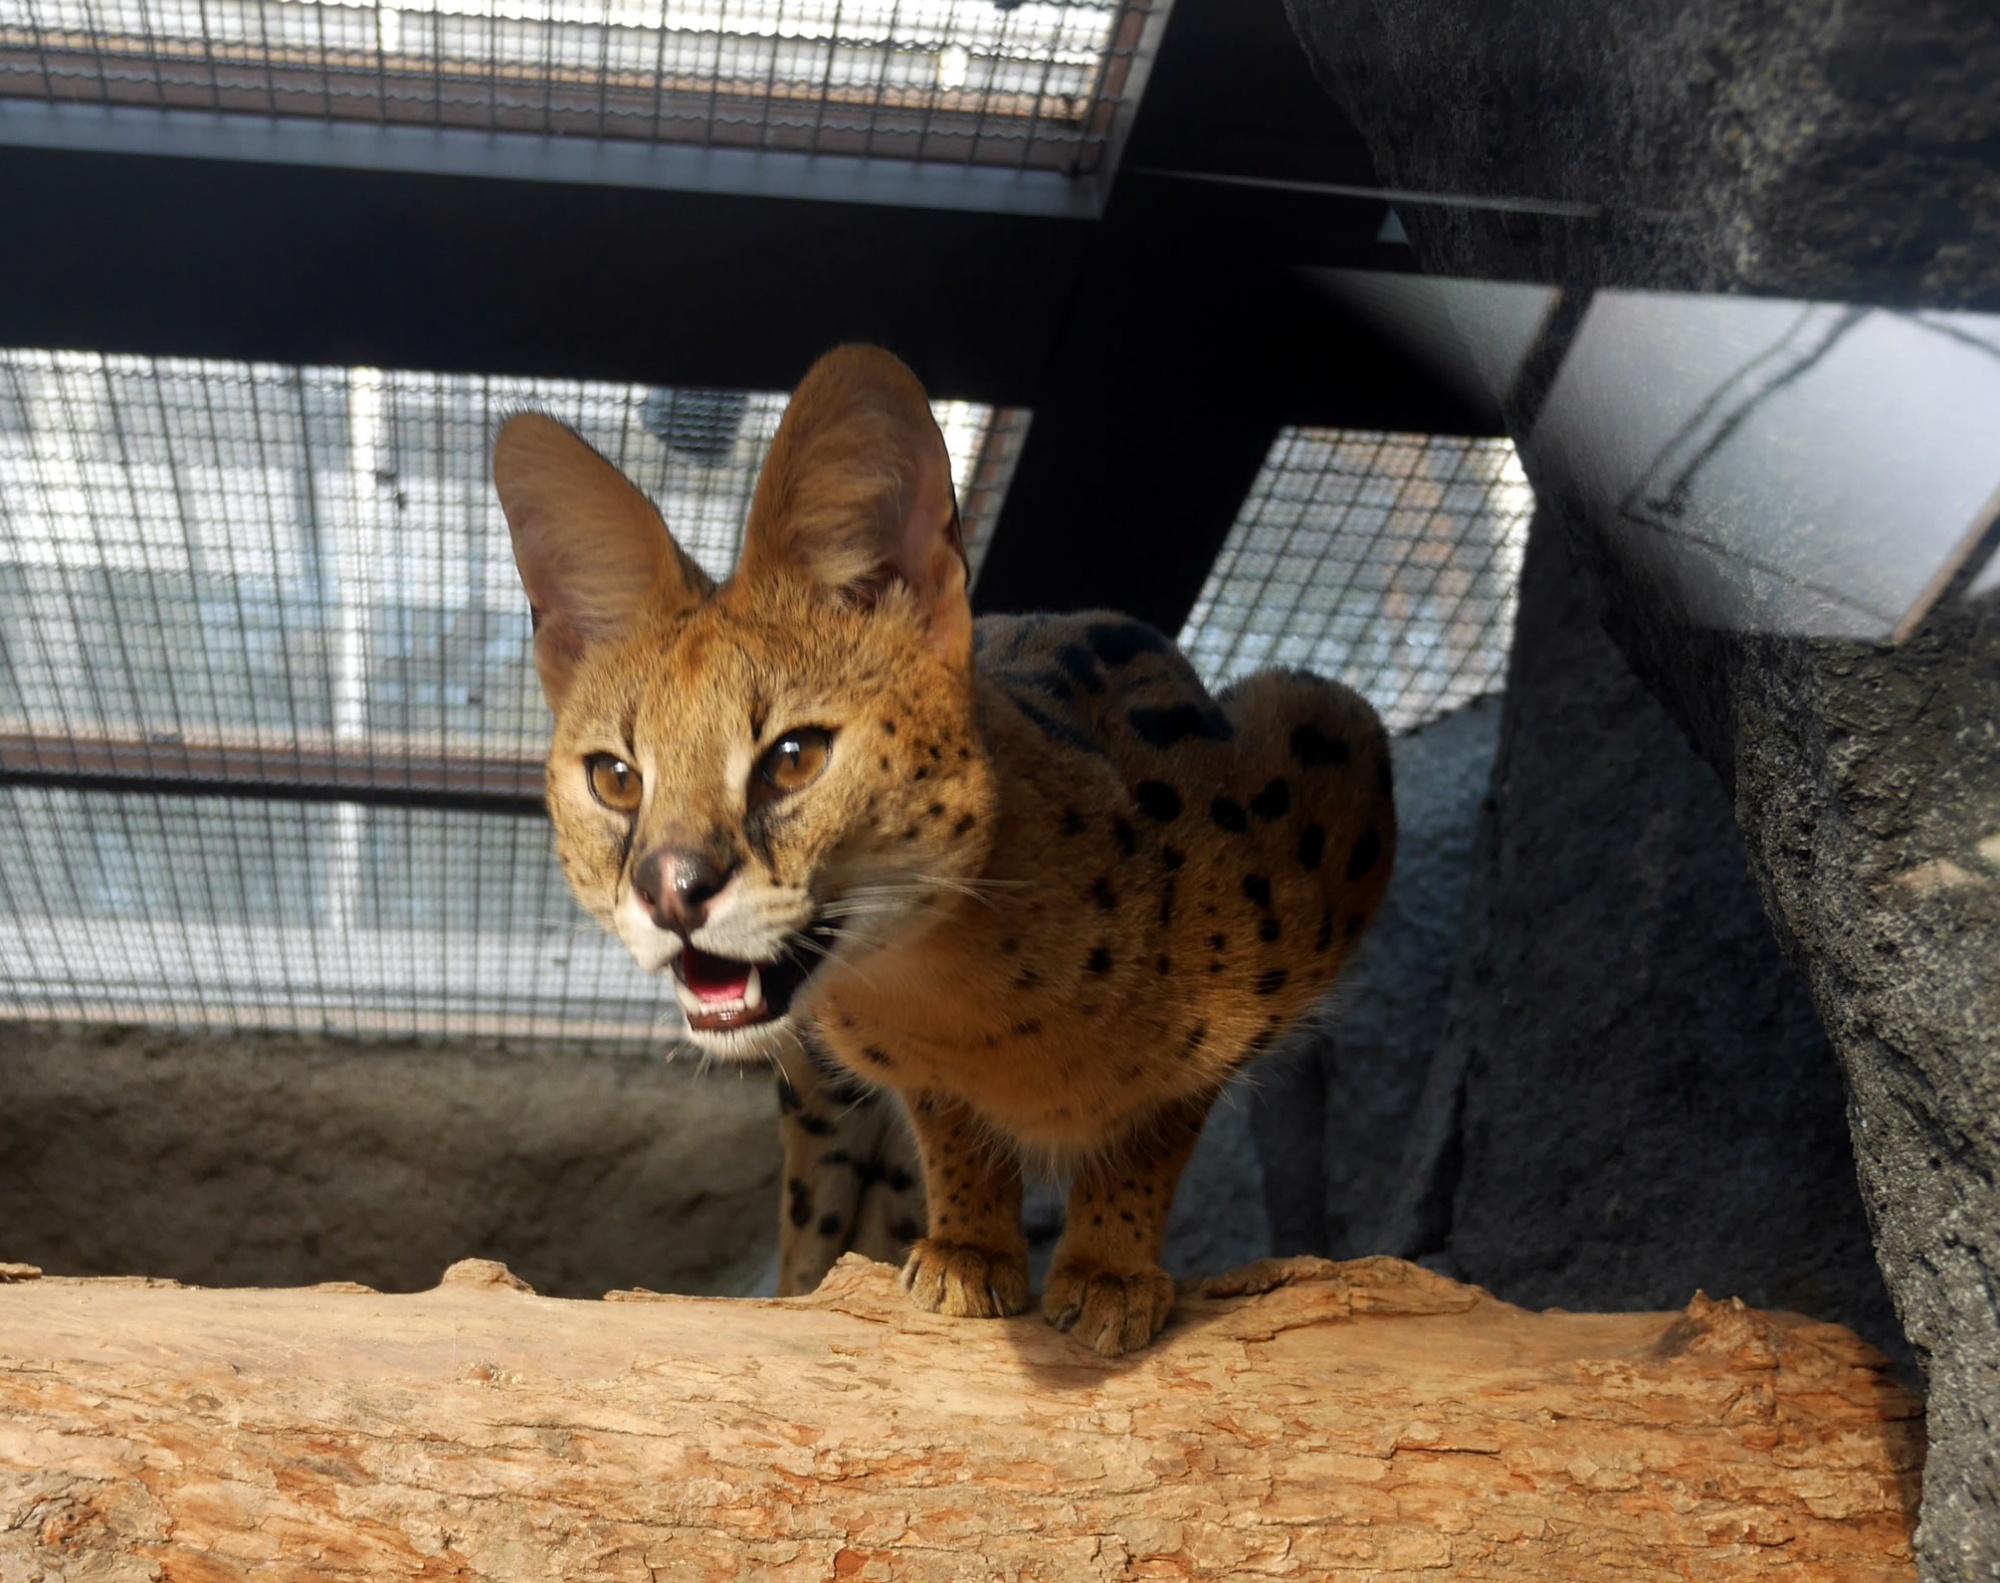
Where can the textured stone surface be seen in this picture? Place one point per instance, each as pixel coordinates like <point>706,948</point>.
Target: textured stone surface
<point>1826,150</point>
<point>1633,1097</point>
<point>279,1160</point>
<point>1332,1108</point>
<point>1300,1420</point>
<point>1802,146</point>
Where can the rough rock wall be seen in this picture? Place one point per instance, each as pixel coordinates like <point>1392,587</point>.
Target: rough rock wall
<point>1832,150</point>
<point>1810,146</point>
<point>1332,1108</point>
<point>1633,1097</point>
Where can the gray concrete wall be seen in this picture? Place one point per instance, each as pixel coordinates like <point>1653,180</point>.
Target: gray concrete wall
<point>281,1160</point>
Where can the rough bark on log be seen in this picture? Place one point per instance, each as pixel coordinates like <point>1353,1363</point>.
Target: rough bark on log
<point>1299,1418</point>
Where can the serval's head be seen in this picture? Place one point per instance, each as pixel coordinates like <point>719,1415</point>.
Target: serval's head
<point>760,786</point>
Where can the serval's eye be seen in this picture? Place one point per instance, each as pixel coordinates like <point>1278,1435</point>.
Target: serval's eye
<point>613,782</point>
<point>796,759</point>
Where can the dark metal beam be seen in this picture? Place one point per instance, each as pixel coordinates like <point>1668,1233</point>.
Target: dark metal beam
<point>209,769</point>
<point>317,264</point>
<point>1169,387</point>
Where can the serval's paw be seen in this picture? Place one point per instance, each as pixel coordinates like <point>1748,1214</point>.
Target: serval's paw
<point>964,1281</point>
<point>1115,1311</point>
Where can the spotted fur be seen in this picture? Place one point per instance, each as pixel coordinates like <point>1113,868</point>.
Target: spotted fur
<point>1052,898</point>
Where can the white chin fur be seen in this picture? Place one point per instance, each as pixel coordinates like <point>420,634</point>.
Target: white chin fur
<point>755,1043</point>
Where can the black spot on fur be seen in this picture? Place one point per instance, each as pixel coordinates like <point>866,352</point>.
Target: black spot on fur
<point>1076,659</point>
<point>1228,814</point>
<point>1272,801</point>
<point>1167,901</point>
<point>898,1179</point>
<point>1269,930</point>
<point>1027,978</point>
<point>818,1126</point>
<point>829,1225</point>
<point>1367,853</point>
<point>1218,942</point>
<point>1100,961</point>
<point>1158,800</point>
<point>1073,822</point>
<point>936,810</point>
<point>1117,642</point>
<point>1102,893</point>
<point>1325,929</point>
<point>889,726</point>
<point>1010,946</point>
<point>1314,749</point>
<point>1312,846</point>
<point>1054,683</point>
<point>1197,1037</point>
<point>1164,966</point>
<point>965,823</point>
<point>1162,728</point>
<point>1055,730</point>
<point>1258,889</point>
<point>880,1058</point>
<point>1271,982</point>
<point>1264,1038</point>
<point>1171,859</point>
<point>1126,837</point>
<point>802,1202</point>
<point>1028,1029</point>
<point>923,774</point>
<point>885,765</point>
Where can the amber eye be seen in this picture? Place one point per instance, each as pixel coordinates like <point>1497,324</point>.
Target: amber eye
<point>796,759</point>
<point>613,782</point>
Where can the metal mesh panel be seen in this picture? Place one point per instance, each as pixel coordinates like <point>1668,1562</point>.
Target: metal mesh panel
<point>1032,85</point>
<point>1388,561</point>
<point>297,581</point>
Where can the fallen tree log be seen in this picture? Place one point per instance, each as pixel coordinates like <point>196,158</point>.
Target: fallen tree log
<point>1297,1419</point>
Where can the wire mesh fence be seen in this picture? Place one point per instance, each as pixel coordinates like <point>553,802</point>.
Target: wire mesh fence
<point>1033,85</point>
<point>1387,561</point>
<point>294,585</point>
<point>268,714</point>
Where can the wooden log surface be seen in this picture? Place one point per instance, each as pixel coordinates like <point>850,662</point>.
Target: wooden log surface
<point>1298,1419</point>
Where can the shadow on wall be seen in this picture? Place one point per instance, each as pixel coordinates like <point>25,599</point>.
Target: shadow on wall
<point>1570,1063</point>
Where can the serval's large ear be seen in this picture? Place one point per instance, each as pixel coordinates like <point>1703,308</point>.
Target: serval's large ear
<point>856,495</point>
<point>591,549</point>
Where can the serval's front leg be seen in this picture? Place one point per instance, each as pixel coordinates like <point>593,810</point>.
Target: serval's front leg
<point>974,1262</point>
<point>852,1179</point>
<point>1105,1284</point>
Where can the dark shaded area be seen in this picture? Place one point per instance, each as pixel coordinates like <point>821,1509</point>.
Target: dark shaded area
<point>1829,151</point>
<point>1333,1108</point>
<point>1633,1097</point>
<point>1804,147</point>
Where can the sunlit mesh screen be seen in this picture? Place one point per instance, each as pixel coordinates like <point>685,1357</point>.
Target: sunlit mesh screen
<point>1033,84</point>
<point>292,581</point>
<point>1387,561</point>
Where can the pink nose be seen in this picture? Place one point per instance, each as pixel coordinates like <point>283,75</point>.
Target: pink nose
<point>675,887</point>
